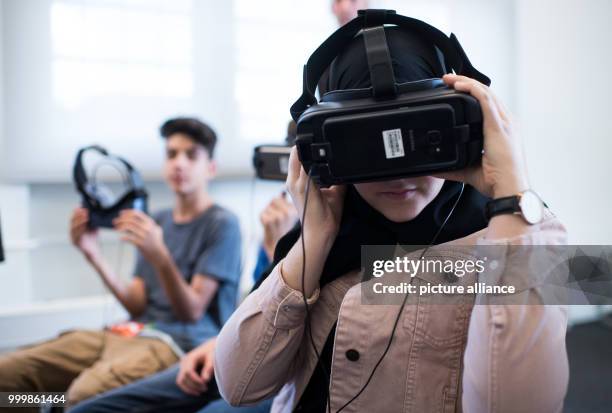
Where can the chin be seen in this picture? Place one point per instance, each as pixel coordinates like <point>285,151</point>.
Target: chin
<point>180,189</point>
<point>185,191</point>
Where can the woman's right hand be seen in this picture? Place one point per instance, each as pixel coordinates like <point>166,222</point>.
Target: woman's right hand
<point>320,226</point>
<point>324,208</point>
<point>84,238</point>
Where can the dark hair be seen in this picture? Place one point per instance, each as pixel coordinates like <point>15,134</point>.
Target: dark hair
<point>194,128</point>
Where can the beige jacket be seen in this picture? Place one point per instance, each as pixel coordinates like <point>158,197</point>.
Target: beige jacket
<point>443,358</point>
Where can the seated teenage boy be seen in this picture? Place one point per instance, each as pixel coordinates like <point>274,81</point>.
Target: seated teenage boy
<point>185,284</point>
<point>190,386</point>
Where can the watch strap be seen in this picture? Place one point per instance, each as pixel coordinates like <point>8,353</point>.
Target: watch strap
<point>505,205</point>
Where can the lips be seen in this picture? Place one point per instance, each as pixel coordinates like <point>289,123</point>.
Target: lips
<point>400,194</point>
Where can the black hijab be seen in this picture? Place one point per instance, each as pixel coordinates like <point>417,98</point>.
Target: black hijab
<point>363,225</point>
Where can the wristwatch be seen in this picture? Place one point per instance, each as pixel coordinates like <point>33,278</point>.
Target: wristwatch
<point>527,204</point>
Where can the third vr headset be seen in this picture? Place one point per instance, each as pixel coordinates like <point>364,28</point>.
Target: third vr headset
<point>388,130</point>
<point>98,198</point>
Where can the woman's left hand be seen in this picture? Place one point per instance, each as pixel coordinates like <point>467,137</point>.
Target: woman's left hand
<point>502,172</point>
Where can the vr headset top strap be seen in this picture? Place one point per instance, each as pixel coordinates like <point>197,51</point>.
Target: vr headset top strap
<point>80,177</point>
<point>379,62</point>
<point>454,56</point>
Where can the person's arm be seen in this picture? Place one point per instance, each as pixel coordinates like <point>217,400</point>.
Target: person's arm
<point>515,358</point>
<point>277,218</point>
<point>133,296</point>
<point>257,347</point>
<point>188,300</point>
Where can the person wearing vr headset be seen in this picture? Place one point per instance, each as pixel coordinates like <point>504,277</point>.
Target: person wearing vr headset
<point>184,287</point>
<point>304,332</point>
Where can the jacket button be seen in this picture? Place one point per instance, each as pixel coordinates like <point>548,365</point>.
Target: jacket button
<point>451,277</point>
<point>352,354</point>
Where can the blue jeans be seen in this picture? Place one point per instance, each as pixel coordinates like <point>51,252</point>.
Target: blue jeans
<point>159,393</point>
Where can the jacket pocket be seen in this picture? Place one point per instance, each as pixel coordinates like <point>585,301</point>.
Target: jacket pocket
<point>440,320</point>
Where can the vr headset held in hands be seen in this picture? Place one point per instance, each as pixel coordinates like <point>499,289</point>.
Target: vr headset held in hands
<point>389,130</point>
<point>101,201</point>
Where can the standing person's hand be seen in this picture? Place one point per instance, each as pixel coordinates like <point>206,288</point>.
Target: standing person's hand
<point>196,368</point>
<point>143,232</point>
<point>502,172</point>
<point>82,237</point>
<point>277,219</point>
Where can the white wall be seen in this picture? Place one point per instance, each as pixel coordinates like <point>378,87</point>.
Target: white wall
<point>562,63</point>
<point>562,81</point>
<point>14,214</point>
<point>15,283</point>
<point>1,85</point>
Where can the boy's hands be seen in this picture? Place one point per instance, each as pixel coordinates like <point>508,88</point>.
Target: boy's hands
<point>143,232</point>
<point>82,237</point>
<point>197,368</point>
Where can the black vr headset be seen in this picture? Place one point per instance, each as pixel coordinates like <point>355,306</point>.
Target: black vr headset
<point>271,162</point>
<point>388,130</point>
<point>98,198</point>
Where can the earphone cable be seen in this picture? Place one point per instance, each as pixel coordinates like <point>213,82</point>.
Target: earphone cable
<point>401,310</point>
<point>307,321</point>
<point>397,318</point>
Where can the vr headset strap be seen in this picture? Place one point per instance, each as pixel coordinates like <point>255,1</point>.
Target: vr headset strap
<point>379,62</point>
<point>81,178</point>
<point>78,171</point>
<point>454,55</point>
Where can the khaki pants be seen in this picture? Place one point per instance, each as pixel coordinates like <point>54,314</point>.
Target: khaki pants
<point>83,364</point>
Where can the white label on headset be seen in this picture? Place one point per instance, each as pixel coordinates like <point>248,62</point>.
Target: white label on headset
<point>394,145</point>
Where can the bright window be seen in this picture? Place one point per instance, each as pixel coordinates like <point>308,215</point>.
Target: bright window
<point>273,41</point>
<point>132,48</point>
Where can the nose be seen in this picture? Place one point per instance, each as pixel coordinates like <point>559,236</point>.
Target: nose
<point>180,161</point>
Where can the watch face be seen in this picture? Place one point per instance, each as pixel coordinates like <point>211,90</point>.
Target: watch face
<point>531,207</point>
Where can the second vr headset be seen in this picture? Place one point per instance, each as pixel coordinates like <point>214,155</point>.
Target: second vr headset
<point>99,198</point>
<point>389,130</point>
